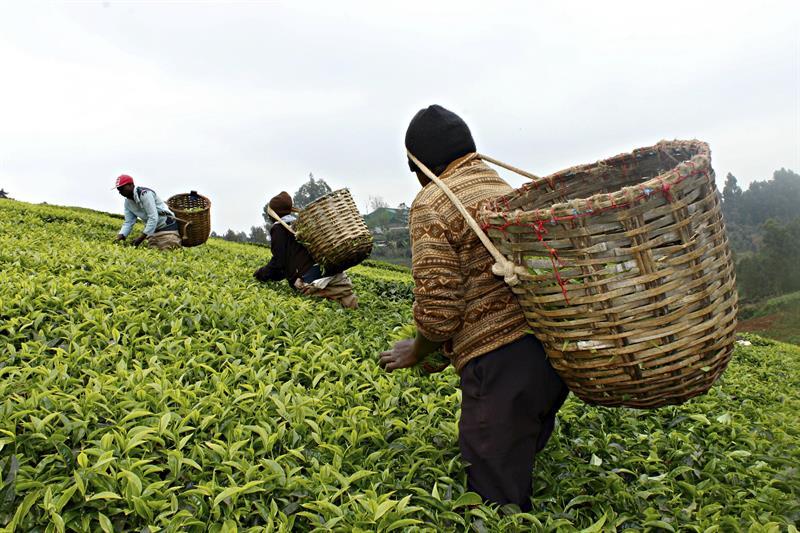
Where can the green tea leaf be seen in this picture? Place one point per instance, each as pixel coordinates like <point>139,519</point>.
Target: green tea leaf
<point>468,499</point>
<point>105,523</point>
<point>105,495</point>
<point>597,526</point>
<point>233,491</point>
<point>402,524</point>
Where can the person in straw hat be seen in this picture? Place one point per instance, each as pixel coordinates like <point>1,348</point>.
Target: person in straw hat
<point>293,262</point>
<point>160,227</point>
<point>510,392</point>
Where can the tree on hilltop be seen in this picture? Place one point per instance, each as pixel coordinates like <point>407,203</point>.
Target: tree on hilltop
<point>310,191</point>
<point>307,193</point>
<point>731,192</point>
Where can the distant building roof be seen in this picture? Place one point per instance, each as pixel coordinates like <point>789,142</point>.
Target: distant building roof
<point>387,217</point>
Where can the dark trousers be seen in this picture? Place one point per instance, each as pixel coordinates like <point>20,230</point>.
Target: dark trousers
<point>312,274</point>
<point>170,224</point>
<point>510,398</point>
<point>316,272</point>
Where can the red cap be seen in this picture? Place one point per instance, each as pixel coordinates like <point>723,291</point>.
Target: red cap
<point>124,179</point>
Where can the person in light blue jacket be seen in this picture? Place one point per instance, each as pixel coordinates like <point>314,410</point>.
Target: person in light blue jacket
<point>160,227</point>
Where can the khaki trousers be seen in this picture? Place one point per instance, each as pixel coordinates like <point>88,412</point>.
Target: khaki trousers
<point>165,240</point>
<point>338,288</point>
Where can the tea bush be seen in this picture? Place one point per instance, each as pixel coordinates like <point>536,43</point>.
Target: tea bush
<point>147,391</point>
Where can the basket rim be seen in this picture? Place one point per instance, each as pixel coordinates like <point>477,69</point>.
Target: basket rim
<point>206,198</point>
<point>600,202</point>
<point>325,197</point>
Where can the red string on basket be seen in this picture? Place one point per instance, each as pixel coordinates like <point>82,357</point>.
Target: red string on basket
<point>665,187</point>
<point>561,283</point>
<point>540,230</point>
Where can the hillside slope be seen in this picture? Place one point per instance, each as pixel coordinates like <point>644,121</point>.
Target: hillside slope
<point>777,318</point>
<point>147,391</point>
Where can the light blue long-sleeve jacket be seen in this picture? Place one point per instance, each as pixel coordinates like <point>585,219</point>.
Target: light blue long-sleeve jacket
<point>148,207</point>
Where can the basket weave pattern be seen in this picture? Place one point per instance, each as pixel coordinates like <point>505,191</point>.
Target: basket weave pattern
<point>628,277</point>
<point>334,231</point>
<point>195,225</point>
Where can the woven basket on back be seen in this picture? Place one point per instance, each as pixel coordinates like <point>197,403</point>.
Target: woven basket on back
<point>193,213</point>
<point>625,273</point>
<point>334,231</point>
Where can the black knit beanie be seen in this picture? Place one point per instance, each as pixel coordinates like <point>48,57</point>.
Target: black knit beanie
<point>438,137</point>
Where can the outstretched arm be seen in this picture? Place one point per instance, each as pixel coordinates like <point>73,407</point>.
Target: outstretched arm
<point>275,270</point>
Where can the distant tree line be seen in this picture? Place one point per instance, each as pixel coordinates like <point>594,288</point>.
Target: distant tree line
<point>763,225</point>
<point>775,268</point>
<point>257,235</point>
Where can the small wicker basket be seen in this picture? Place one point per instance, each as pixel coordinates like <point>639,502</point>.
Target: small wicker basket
<point>334,231</point>
<point>193,213</point>
<point>626,274</point>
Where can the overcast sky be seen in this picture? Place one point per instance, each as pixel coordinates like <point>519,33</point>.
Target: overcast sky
<point>242,100</point>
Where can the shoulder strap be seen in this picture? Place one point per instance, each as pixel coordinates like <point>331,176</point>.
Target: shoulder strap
<point>140,190</point>
<point>502,266</point>
<point>274,215</point>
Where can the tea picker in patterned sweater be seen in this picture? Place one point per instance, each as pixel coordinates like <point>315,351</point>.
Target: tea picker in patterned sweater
<point>293,262</point>
<point>160,227</point>
<point>510,393</point>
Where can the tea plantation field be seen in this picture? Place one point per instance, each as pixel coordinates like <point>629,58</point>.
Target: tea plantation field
<point>142,391</point>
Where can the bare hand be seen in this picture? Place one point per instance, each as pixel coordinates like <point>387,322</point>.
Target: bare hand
<point>400,356</point>
<point>119,237</point>
<point>139,240</point>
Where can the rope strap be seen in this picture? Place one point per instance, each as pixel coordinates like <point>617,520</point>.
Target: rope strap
<point>509,167</point>
<point>186,224</point>
<point>502,266</point>
<point>274,215</point>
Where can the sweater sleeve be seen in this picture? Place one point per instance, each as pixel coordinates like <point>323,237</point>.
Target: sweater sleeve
<point>438,280</point>
<point>275,270</point>
<point>130,220</point>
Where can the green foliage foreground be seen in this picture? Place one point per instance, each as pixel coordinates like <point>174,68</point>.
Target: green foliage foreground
<point>164,392</point>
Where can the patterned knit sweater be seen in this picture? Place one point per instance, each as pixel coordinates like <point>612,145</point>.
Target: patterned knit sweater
<point>457,299</point>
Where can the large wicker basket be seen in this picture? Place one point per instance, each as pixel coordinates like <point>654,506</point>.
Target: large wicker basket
<point>334,231</point>
<point>628,278</point>
<point>193,212</point>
